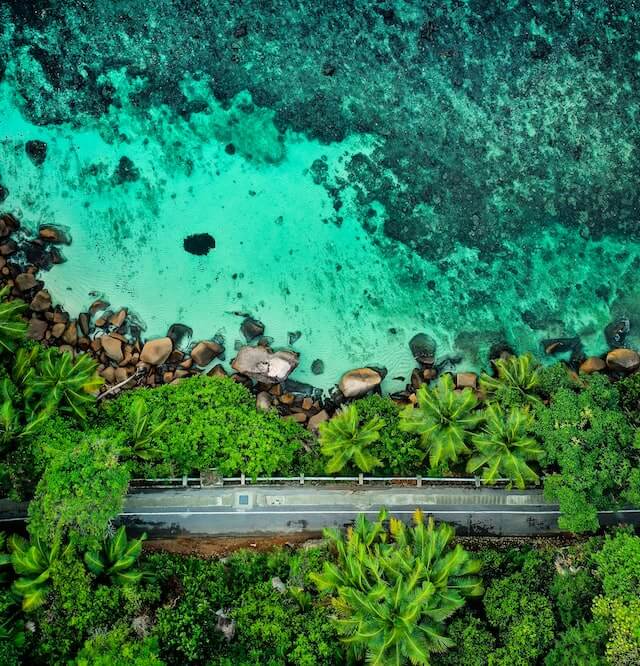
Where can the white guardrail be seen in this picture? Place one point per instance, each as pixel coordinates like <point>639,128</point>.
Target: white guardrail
<point>361,480</point>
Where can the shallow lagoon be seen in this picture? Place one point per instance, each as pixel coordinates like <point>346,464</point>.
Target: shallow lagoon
<point>304,241</point>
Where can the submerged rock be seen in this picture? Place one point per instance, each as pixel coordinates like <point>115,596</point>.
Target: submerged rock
<point>199,244</point>
<point>126,172</point>
<point>616,332</point>
<point>264,365</point>
<point>8,224</point>
<point>561,345</point>
<point>36,151</point>
<point>52,233</point>
<point>180,334</point>
<point>423,348</point>
<point>356,383</point>
<point>4,193</point>
<point>251,328</point>
<point>317,367</point>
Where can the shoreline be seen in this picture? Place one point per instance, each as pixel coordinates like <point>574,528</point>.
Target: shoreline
<point>114,339</point>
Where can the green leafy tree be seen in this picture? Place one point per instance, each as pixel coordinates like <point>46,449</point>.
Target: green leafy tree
<point>516,384</point>
<point>343,440</point>
<point>31,562</point>
<point>117,559</point>
<point>81,490</point>
<point>64,383</point>
<point>523,617</point>
<point>589,449</point>
<point>504,447</point>
<point>393,590</point>
<point>444,419</point>
<point>13,327</point>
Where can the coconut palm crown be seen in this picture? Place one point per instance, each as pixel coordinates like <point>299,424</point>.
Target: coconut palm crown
<point>444,418</point>
<point>516,382</point>
<point>393,589</point>
<point>504,447</point>
<point>117,559</point>
<point>343,439</point>
<point>13,327</point>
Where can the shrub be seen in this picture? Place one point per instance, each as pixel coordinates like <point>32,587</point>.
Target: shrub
<point>272,629</point>
<point>212,422</point>
<point>399,452</point>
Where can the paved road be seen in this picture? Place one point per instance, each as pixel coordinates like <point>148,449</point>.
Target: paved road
<point>288,509</point>
<point>252,511</point>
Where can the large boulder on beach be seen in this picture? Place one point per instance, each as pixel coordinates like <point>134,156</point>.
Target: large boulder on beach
<point>41,301</point>
<point>156,352</point>
<point>623,360</point>
<point>204,352</point>
<point>423,348</point>
<point>112,347</point>
<point>360,381</point>
<point>264,365</point>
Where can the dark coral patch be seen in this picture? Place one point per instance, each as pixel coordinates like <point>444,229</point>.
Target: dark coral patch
<point>199,244</point>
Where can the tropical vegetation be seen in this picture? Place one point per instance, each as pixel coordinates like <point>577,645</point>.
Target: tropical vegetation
<point>75,588</point>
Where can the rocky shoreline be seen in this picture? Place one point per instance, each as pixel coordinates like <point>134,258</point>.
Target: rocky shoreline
<point>125,360</point>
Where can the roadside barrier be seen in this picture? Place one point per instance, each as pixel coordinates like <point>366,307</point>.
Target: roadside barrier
<point>213,480</point>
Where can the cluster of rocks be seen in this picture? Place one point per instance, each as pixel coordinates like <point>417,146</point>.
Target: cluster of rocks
<point>113,338</point>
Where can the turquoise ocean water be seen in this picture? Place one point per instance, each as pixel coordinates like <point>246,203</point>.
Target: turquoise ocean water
<point>368,170</point>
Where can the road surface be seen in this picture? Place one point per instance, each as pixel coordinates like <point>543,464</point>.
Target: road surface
<point>259,510</point>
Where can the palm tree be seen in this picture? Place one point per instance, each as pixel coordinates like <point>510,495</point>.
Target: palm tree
<point>344,439</point>
<point>393,590</point>
<point>62,382</point>
<point>12,326</point>
<point>516,383</point>
<point>444,419</point>
<point>504,446</point>
<point>31,561</point>
<point>117,558</point>
<point>145,428</point>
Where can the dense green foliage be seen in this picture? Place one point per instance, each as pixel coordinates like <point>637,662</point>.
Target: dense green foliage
<point>399,452</point>
<point>591,447</point>
<point>82,488</point>
<point>210,422</point>
<point>544,606</point>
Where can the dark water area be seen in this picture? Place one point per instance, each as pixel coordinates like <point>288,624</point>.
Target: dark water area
<point>465,169</point>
